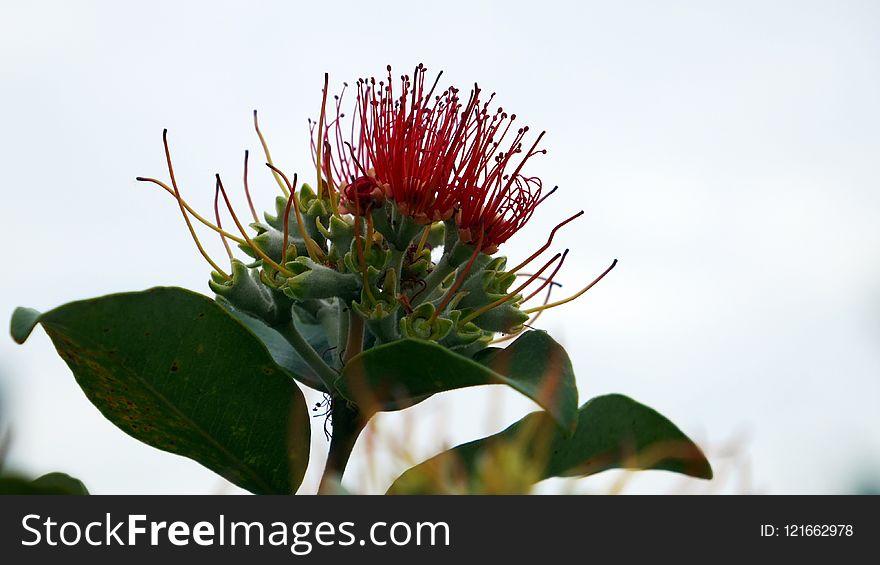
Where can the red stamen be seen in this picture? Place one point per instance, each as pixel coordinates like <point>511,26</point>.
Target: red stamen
<point>546,245</point>
<point>531,320</point>
<point>548,195</point>
<point>315,252</point>
<point>548,280</point>
<point>189,225</point>
<point>265,145</point>
<point>247,191</point>
<point>407,141</point>
<point>244,234</point>
<point>575,295</point>
<point>286,221</point>
<point>219,225</point>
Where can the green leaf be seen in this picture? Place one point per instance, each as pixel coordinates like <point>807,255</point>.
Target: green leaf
<point>404,372</point>
<point>23,322</point>
<point>51,483</point>
<point>613,431</point>
<point>174,369</point>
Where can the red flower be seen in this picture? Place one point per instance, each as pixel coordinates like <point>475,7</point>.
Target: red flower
<point>407,142</point>
<point>432,157</point>
<point>493,204</point>
<point>360,194</point>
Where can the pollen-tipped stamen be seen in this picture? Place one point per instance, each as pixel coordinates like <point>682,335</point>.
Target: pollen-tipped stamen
<point>249,241</point>
<point>321,146</point>
<point>574,296</point>
<point>548,280</point>
<point>189,225</point>
<point>247,190</point>
<point>546,196</point>
<point>217,217</point>
<point>190,209</point>
<point>290,200</point>
<point>284,189</point>
<point>530,322</point>
<point>315,253</point>
<point>354,158</point>
<point>331,184</point>
<point>546,245</point>
<point>552,282</point>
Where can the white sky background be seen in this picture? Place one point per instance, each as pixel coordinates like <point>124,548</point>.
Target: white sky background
<point>726,153</point>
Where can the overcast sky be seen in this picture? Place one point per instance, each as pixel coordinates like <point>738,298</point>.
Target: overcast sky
<point>725,152</point>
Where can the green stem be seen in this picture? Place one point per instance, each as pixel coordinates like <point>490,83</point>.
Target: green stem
<point>381,223</point>
<point>452,258</point>
<point>441,270</point>
<point>347,426</point>
<point>355,342</point>
<point>407,230</point>
<point>397,256</point>
<point>307,352</point>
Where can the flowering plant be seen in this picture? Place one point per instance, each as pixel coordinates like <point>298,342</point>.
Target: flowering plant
<point>379,286</point>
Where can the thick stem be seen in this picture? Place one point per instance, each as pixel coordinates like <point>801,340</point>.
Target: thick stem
<point>381,223</point>
<point>407,230</point>
<point>307,352</point>
<point>452,258</point>
<point>347,425</point>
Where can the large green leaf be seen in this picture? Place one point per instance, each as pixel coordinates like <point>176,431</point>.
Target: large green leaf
<point>174,369</point>
<point>613,431</point>
<point>403,372</point>
<point>50,483</point>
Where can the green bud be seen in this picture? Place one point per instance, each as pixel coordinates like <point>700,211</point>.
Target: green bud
<point>270,241</point>
<point>506,318</point>
<point>340,233</point>
<point>314,281</point>
<point>381,319</point>
<point>437,234</point>
<point>376,257</point>
<point>417,267</point>
<point>247,293</point>
<point>477,289</point>
<point>313,210</point>
<point>462,333</point>
<point>421,324</point>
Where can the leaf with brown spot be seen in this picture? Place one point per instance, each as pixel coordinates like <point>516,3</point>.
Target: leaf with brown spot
<point>175,370</point>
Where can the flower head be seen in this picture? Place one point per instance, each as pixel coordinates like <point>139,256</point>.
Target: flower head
<point>432,155</point>
<point>406,141</point>
<point>413,170</point>
<point>493,201</point>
